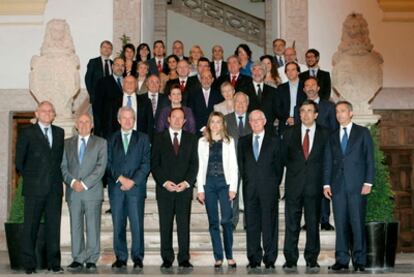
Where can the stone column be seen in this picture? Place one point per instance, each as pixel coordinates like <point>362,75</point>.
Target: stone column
<point>127,20</point>
<point>160,20</point>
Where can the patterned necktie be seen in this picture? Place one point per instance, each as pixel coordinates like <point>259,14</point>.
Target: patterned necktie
<point>154,102</point>
<point>82,149</point>
<point>344,141</point>
<point>107,67</point>
<point>118,80</point>
<point>305,144</point>
<point>129,101</point>
<point>159,66</point>
<point>47,136</point>
<point>217,69</point>
<point>240,126</point>
<point>233,80</point>
<point>176,145</point>
<point>256,147</point>
<point>125,143</point>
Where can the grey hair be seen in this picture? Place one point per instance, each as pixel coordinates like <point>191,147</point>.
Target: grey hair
<point>259,112</point>
<point>261,66</point>
<point>241,93</point>
<point>125,109</point>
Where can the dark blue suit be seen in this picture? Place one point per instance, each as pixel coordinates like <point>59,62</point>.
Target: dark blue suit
<point>135,165</point>
<point>346,174</point>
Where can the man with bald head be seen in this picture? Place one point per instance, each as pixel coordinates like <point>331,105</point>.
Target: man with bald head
<point>82,175</point>
<point>112,101</point>
<point>290,56</point>
<point>260,166</point>
<point>39,153</point>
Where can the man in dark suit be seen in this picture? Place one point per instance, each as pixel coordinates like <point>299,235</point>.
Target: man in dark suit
<point>39,152</point>
<point>194,82</point>
<point>158,64</point>
<point>304,149</point>
<point>174,167</point>
<point>260,165</point>
<point>262,96</point>
<point>238,126</point>
<point>218,67</point>
<point>279,46</point>
<point>290,95</point>
<point>98,68</point>
<point>178,50</point>
<point>157,100</point>
<point>348,177</point>
<point>107,89</point>
<point>239,81</point>
<point>324,78</point>
<point>326,118</point>
<point>83,166</point>
<point>128,168</point>
<point>183,70</point>
<point>202,101</point>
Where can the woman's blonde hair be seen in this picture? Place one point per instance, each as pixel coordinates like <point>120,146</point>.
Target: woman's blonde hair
<point>223,133</point>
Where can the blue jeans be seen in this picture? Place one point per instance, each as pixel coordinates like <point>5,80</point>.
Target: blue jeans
<point>217,191</point>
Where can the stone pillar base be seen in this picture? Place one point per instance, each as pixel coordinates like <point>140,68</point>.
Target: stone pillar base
<point>68,124</point>
<point>366,119</point>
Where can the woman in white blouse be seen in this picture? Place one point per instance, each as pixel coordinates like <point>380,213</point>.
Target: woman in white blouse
<point>217,184</point>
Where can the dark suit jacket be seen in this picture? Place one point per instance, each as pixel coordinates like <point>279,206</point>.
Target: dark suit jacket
<point>162,102</point>
<point>284,102</point>
<point>188,87</point>
<point>38,163</point>
<point>268,104</point>
<point>224,70</point>
<point>94,72</point>
<point>304,176</point>
<point>135,164</point>
<point>153,69</point>
<point>109,105</point>
<point>197,104</point>
<point>324,81</point>
<point>242,83</point>
<point>326,115</point>
<point>166,166</point>
<point>233,127</point>
<point>261,177</point>
<point>351,170</point>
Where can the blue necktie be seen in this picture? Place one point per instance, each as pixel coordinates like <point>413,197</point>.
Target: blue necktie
<point>129,102</point>
<point>344,141</point>
<point>256,147</point>
<point>82,149</point>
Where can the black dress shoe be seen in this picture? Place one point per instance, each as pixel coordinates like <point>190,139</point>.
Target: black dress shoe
<point>270,266</point>
<point>166,265</point>
<point>252,266</point>
<point>90,266</point>
<point>74,266</point>
<point>56,270</point>
<point>185,264</point>
<point>338,267</point>
<point>313,267</point>
<point>138,264</point>
<point>327,227</point>
<point>30,271</point>
<point>290,267</point>
<point>119,264</point>
<point>359,267</point>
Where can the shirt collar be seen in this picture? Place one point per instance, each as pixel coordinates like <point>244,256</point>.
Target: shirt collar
<point>43,126</point>
<point>126,132</point>
<point>85,137</point>
<point>261,134</point>
<point>173,131</point>
<point>311,128</point>
<point>206,90</point>
<point>255,84</point>
<point>348,127</point>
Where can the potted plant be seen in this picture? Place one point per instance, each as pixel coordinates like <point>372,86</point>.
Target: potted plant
<point>14,231</point>
<point>381,229</point>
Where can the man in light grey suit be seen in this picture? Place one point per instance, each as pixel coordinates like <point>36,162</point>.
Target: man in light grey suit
<point>238,126</point>
<point>83,166</point>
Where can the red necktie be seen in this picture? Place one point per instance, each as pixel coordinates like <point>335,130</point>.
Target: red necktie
<point>233,80</point>
<point>182,86</point>
<point>159,67</point>
<point>305,145</point>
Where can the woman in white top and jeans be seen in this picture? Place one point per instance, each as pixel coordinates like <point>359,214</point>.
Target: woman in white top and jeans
<point>217,183</point>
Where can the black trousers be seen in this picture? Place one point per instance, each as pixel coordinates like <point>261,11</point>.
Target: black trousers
<point>293,213</point>
<point>262,224</point>
<point>34,208</point>
<point>174,205</point>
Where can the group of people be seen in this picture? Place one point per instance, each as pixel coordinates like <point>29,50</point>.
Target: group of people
<point>166,116</point>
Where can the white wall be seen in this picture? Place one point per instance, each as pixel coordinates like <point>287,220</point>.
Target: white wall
<point>191,32</point>
<point>254,8</point>
<point>90,22</point>
<point>394,40</point>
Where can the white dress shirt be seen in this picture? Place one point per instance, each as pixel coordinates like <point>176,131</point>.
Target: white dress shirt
<point>311,134</point>
<point>172,135</point>
<point>261,135</point>
<point>206,94</point>
<point>49,132</point>
<point>243,119</point>
<point>134,105</point>
<point>109,65</point>
<point>79,145</point>
<point>293,91</point>
<point>256,88</point>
